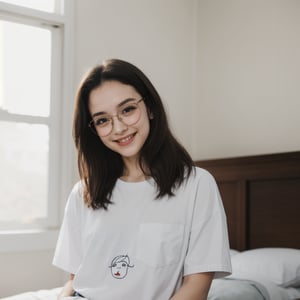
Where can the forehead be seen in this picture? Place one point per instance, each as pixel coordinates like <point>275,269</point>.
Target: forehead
<point>109,94</point>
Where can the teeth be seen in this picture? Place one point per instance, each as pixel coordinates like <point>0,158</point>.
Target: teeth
<point>126,139</point>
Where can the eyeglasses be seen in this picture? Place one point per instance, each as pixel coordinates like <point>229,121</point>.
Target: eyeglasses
<point>128,113</point>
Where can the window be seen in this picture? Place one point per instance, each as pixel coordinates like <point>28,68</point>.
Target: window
<point>52,6</point>
<point>34,83</point>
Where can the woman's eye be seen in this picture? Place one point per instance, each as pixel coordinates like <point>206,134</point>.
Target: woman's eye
<point>101,121</point>
<point>128,110</point>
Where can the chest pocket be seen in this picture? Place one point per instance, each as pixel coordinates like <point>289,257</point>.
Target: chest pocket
<point>159,244</point>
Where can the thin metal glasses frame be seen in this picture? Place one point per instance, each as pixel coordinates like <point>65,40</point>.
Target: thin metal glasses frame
<point>91,124</point>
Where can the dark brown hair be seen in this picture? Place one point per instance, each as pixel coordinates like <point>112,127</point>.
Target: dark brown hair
<point>167,162</point>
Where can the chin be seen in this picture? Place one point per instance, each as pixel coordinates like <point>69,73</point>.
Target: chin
<point>129,155</point>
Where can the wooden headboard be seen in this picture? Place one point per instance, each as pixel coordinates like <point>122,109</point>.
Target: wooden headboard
<point>261,196</point>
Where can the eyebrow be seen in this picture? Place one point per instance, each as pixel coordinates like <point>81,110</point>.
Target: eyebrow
<point>119,105</point>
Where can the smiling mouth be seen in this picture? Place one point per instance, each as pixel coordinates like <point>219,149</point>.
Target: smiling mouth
<point>117,274</point>
<point>125,141</point>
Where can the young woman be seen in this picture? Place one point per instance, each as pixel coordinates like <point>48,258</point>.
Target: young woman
<point>143,222</point>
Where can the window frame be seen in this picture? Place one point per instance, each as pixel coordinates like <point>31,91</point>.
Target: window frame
<point>61,153</point>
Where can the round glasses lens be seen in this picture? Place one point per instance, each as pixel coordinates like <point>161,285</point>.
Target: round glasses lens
<point>130,114</point>
<point>106,130</point>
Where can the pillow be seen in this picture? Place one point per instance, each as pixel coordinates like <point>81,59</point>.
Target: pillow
<point>279,265</point>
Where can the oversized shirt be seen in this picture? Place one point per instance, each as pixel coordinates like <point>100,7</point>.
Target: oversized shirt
<point>141,247</point>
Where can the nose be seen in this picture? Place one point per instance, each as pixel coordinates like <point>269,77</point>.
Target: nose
<point>118,125</point>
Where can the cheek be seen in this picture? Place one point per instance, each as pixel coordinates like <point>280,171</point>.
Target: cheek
<point>104,140</point>
<point>147,129</point>
<point>144,123</point>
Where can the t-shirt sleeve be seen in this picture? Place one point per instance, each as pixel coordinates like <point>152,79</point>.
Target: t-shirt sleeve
<point>208,249</point>
<point>68,252</point>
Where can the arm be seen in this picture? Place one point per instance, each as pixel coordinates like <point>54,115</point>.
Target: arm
<point>67,289</point>
<point>194,287</point>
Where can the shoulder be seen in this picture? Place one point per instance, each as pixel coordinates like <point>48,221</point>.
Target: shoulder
<point>201,172</point>
<point>77,188</point>
<point>75,200</point>
<point>200,184</point>
<point>199,175</point>
<point>208,200</point>
<point>202,187</point>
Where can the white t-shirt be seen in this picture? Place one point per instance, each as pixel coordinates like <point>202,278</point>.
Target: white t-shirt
<point>141,247</point>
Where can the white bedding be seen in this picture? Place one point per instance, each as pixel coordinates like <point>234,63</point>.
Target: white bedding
<point>259,289</point>
<point>274,292</point>
<point>37,295</point>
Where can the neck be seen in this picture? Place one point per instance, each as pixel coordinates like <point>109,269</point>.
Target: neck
<point>134,178</point>
<point>133,172</point>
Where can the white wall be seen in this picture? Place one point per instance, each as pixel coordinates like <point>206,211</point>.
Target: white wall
<point>247,78</point>
<point>228,71</point>
<point>155,35</point>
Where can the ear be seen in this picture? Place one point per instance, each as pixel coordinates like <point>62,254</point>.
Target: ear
<point>150,115</point>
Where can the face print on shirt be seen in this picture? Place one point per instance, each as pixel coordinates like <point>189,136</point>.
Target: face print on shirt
<point>119,266</point>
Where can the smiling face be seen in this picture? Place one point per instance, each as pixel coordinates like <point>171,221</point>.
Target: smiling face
<point>119,269</point>
<point>123,139</point>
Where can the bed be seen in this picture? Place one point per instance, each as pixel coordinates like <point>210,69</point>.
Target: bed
<point>261,196</point>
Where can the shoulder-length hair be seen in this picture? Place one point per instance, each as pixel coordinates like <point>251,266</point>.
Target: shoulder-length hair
<point>165,160</point>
